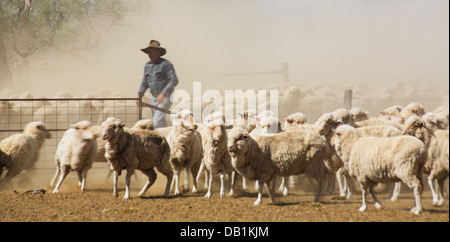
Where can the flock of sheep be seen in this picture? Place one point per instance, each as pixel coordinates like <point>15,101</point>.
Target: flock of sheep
<point>401,145</point>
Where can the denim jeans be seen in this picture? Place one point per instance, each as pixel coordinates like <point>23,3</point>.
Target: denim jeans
<point>159,118</point>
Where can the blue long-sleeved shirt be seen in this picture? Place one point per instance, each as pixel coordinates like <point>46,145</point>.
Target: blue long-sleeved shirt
<point>159,77</point>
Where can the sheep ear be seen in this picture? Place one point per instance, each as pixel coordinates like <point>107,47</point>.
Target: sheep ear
<point>121,125</point>
<point>382,112</point>
<point>230,126</point>
<point>195,126</point>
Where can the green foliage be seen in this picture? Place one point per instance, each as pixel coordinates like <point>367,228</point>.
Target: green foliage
<point>65,25</point>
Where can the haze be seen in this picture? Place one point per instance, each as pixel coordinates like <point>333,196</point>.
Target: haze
<point>323,41</point>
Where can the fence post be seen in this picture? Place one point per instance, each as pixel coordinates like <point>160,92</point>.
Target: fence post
<point>348,96</point>
<point>285,70</point>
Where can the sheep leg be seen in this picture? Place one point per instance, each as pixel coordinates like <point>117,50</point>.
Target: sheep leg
<point>82,175</point>
<point>63,175</point>
<point>433,189</point>
<point>127,184</point>
<point>232,178</point>
<point>208,194</point>
<point>396,193</point>
<point>319,190</point>
<point>58,171</point>
<point>377,202</point>
<point>271,190</point>
<point>222,186</point>
<point>194,173</point>
<point>341,182</point>
<point>364,198</point>
<point>186,179</point>
<point>331,181</point>
<point>260,188</point>
<point>176,179</point>
<point>350,187</point>
<point>244,183</point>
<point>151,174</point>
<point>115,181</point>
<point>417,196</point>
<point>200,171</point>
<point>440,189</point>
<point>416,184</point>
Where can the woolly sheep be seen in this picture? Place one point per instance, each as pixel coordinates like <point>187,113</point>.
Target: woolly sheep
<point>359,114</point>
<point>435,121</point>
<point>294,120</point>
<point>136,149</point>
<point>437,164</point>
<point>392,113</point>
<point>282,154</point>
<point>20,151</point>
<point>185,152</point>
<point>216,158</point>
<point>413,108</point>
<point>373,160</point>
<point>76,151</point>
<point>344,116</point>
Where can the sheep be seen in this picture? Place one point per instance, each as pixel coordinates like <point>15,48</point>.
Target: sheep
<point>413,108</point>
<point>185,151</point>
<point>359,114</point>
<point>437,164</point>
<point>283,154</point>
<point>435,121</point>
<point>391,114</point>
<point>344,116</point>
<point>144,124</point>
<point>135,149</point>
<point>20,151</point>
<point>373,160</point>
<point>76,151</point>
<point>326,125</point>
<point>294,120</point>
<point>378,121</point>
<point>216,158</point>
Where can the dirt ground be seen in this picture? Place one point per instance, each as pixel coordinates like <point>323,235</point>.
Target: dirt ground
<point>98,204</point>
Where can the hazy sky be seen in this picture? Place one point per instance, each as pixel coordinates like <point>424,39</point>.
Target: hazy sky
<point>321,40</point>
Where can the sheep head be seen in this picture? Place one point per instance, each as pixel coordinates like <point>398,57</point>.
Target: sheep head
<point>37,130</point>
<point>83,131</point>
<point>112,129</point>
<point>238,142</point>
<point>327,123</point>
<point>413,125</point>
<point>216,131</point>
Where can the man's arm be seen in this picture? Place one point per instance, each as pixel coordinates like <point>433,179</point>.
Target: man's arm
<point>173,80</point>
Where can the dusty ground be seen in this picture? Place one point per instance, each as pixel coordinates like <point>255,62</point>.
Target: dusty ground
<point>98,204</point>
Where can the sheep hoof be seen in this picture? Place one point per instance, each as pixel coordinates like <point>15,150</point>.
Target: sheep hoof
<point>231,193</point>
<point>362,208</point>
<point>394,198</point>
<point>440,203</point>
<point>208,195</point>
<point>222,194</point>
<point>257,202</point>
<point>378,206</point>
<point>415,211</point>
<point>55,191</point>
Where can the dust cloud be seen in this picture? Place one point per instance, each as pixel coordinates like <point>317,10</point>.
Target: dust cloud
<point>322,41</point>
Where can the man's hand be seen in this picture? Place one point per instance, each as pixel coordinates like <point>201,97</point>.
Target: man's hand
<point>160,97</point>
<point>140,95</point>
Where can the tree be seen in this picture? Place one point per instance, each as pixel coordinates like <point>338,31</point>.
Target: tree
<point>28,26</point>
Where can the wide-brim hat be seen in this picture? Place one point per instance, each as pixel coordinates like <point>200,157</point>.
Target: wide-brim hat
<point>156,45</point>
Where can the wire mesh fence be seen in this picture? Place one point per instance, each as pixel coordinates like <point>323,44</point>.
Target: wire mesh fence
<point>59,114</point>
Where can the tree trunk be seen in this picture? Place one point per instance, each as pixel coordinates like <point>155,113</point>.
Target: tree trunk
<point>6,79</point>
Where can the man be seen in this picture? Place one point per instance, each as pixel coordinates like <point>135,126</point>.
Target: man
<point>160,78</point>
